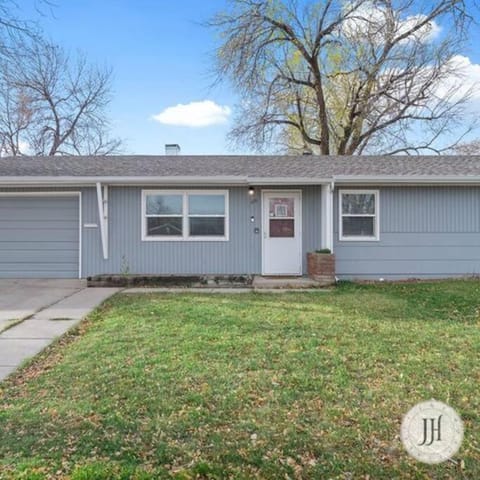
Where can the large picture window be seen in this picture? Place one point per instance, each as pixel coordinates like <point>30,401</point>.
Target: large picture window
<point>185,215</point>
<point>358,215</point>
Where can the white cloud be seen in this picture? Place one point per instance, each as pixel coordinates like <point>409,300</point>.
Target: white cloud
<point>458,78</point>
<point>24,147</point>
<point>465,81</point>
<point>194,114</point>
<point>430,31</point>
<point>370,21</point>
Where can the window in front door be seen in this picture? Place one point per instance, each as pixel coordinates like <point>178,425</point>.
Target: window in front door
<point>282,217</point>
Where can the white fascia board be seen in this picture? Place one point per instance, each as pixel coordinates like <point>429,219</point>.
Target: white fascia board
<point>118,180</point>
<point>405,180</point>
<point>177,180</point>
<point>288,181</point>
<point>237,180</point>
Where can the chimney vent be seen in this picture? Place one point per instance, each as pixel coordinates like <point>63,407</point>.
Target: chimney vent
<point>172,149</point>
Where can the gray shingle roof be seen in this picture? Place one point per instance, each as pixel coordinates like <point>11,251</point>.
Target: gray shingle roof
<point>240,166</point>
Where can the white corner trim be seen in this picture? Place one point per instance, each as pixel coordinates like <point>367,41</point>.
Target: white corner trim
<point>376,216</point>
<point>326,233</point>
<point>80,235</point>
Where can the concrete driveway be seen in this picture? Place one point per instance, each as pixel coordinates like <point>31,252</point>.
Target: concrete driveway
<point>20,299</point>
<point>33,313</point>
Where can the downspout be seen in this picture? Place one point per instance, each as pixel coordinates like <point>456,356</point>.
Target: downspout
<point>102,216</point>
<point>105,216</point>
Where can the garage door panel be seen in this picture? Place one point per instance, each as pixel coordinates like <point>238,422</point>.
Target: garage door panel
<point>41,202</point>
<point>36,245</point>
<point>35,215</point>
<point>32,256</point>
<point>25,208</point>
<point>37,224</point>
<point>39,237</point>
<point>43,235</point>
<point>44,267</point>
<point>14,273</point>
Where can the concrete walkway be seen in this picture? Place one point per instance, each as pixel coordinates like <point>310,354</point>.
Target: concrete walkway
<point>30,336</point>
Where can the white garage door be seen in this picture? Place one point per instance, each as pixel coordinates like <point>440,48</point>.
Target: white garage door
<point>39,236</point>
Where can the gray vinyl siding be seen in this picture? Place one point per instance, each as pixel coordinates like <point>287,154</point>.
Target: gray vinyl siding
<point>39,237</point>
<point>425,232</point>
<point>311,221</point>
<point>241,254</point>
<point>129,254</point>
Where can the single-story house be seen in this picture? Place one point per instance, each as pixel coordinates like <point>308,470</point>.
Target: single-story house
<point>383,217</point>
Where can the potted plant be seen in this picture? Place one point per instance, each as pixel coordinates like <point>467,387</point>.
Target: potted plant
<point>321,266</point>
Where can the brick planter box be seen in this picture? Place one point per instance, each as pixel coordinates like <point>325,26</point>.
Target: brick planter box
<point>321,267</point>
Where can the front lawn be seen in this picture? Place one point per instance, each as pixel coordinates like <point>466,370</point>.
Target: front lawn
<point>268,386</point>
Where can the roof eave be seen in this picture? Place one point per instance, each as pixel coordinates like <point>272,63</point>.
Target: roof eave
<point>149,180</point>
<point>76,181</point>
<point>118,180</point>
<point>406,179</point>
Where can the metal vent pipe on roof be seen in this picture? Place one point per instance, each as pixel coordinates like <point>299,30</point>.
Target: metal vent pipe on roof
<point>172,149</point>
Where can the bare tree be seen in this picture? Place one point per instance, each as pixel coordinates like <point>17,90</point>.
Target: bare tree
<point>52,104</point>
<point>15,117</point>
<point>468,148</point>
<point>336,77</point>
<point>13,27</point>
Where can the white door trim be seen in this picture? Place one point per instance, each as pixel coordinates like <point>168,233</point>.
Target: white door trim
<point>58,194</point>
<point>298,224</point>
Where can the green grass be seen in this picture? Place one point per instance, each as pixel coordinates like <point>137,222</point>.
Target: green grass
<point>268,386</point>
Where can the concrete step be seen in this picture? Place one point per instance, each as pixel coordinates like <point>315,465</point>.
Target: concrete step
<point>260,283</point>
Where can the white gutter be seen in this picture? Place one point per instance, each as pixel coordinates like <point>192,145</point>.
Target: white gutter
<point>236,180</point>
<point>288,180</point>
<point>405,179</point>
<point>118,180</point>
<point>174,180</point>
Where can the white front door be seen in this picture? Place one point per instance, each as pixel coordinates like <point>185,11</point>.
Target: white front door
<point>282,232</point>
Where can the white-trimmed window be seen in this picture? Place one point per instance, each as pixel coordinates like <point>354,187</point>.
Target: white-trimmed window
<point>358,211</point>
<point>185,215</point>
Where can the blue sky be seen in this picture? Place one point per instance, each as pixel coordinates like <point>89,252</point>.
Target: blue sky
<point>161,57</point>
